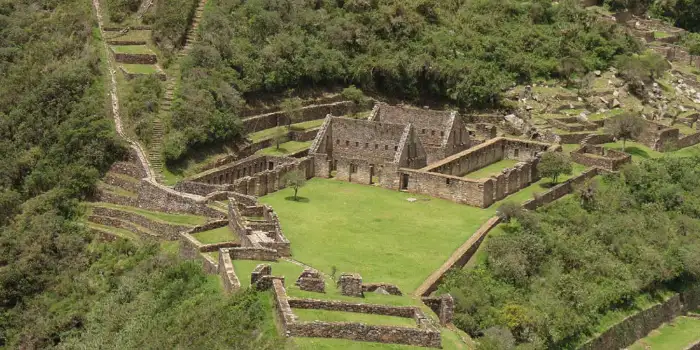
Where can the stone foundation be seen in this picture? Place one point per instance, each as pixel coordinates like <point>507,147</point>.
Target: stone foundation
<point>227,272</point>
<point>260,271</point>
<point>443,306</point>
<point>600,157</point>
<point>161,198</point>
<point>165,230</point>
<point>388,288</point>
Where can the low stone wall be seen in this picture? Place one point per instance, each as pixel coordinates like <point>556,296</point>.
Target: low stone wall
<point>118,223</point>
<point>157,197</point>
<point>303,135</point>
<point>110,197</point>
<point>165,230</point>
<point>125,42</point>
<point>129,169</point>
<point>253,253</point>
<point>637,326</point>
<point>126,184</point>
<point>227,272</point>
<point>689,140</point>
<point>597,156</point>
<point>443,306</point>
<point>694,346</point>
<point>313,112</point>
<point>135,58</point>
<point>573,138</point>
<point>199,188</point>
<point>597,139</point>
<point>334,305</point>
<point>369,333</point>
<point>560,190</point>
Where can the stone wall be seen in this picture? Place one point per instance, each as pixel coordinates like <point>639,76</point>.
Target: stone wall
<point>135,58</point>
<point>350,284</point>
<point>128,184</point>
<point>335,305</point>
<point>597,139</point>
<point>161,198</point>
<point>111,197</point>
<point>303,135</point>
<point>227,272</point>
<point>313,112</point>
<point>600,157</point>
<point>569,138</point>
<point>387,287</point>
<point>657,136</point>
<point>443,306</point>
<point>362,332</point>
<point>163,229</point>
<point>560,190</point>
<point>119,223</point>
<point>689,140</point>
<point>478,193</point>
<point>253,253</point>
<point>129,169</point>
<point>199,188</point>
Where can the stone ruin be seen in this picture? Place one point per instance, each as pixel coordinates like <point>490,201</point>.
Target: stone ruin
<point>443,306</point>
<point>312,281</point>
<point>350,284</point>
<point>261,278</point>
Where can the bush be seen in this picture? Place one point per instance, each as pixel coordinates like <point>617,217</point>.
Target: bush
<point>354,94</point>
<point>172,18</point>
<point>120,9</point>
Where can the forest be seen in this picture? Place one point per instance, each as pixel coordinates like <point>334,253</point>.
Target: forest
<point>552,275</point>
<point>462,53</point>
<point>56,140</point>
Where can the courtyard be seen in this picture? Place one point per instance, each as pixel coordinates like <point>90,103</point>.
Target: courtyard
<point>375,232</point>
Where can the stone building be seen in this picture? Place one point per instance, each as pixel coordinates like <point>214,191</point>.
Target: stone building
<point>366,152</point>
<point>442,133</point>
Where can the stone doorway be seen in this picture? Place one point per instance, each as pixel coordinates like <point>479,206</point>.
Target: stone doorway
<point>404,182</point>
<point>371,174</point>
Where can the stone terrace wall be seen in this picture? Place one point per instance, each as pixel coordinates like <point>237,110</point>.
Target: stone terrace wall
<point>597,156</point>
<point>478,193</point>
<point>334,305</point>
<point>134,58</point>
<point>227,272</point>
<point>689,140</point>
<point>362,332</point>
<point>313,112</point>
<point>168,231</point>
<point>560,190</point>
<point>637,326</point>
<point>157,197</point>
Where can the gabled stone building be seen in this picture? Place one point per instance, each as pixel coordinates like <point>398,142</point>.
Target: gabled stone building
<point>366,152</point>
<point>442,133</point>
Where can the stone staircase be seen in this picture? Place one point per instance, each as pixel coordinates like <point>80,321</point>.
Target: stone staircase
<point>192,32</point>
<point>155,152</point>
<point>586,139</point>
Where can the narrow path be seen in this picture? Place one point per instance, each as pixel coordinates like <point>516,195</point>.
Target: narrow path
<point>115,97</point>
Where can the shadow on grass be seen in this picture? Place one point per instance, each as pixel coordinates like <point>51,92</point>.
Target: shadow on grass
<point>299,199</point>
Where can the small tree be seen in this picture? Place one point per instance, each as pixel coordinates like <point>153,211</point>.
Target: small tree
<point>279,136</point>
<point>553,164</point>
<point>354,94</point>
<point>692,42</point>
<point>509,210</point>
<point>625,126</point>
<point>292,109</point>
<point>295,179</point>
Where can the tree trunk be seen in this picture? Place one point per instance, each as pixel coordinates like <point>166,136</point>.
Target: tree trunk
<point>623,144</point>
<point>295,192</point>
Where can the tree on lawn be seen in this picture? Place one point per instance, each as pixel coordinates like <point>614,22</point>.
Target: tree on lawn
<point>626,126</point>
<point>553,164</point>
<point>279,136</point>
<point>692,41</point>
<point>295,179</point>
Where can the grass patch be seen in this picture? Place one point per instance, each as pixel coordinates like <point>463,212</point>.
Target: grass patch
<point>170,247</point>
<point>678,334</point>
<point>133,49</point>
<point>285,148</point>
<point>289,270</point>
<point>217,235</point>
<point>637,150</point>
<point>140,68</point>
<point>450,341</point>
<point>661,35</point>
<point>493,169</point>
<point>373,231</point>
<point>180,219</point>
<point>116,190</point>
<point>310,315</point>
<point>268,133</point>
<point>308,124</point>
<point>115,231</point>
<point>132,35</point>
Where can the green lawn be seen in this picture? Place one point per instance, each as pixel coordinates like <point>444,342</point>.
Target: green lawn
<point>373,231</point>
<point>310,315</point>
<point>180,219</point>
<point>285,148</point>
<point>132,35</point>
<point>217,235</point>
<point>661,35</point>
<point>135,49</point>
<point>116,231</point>
<point>140,68</point>
<point>678,334</point>
<point>450,341</point>
<point>493,169</point>
<point>116,190</point>
<point>268,133</point>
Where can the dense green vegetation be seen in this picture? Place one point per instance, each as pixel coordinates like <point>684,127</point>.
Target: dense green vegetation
<point>120,9</point>
<point>140,105</point>
<point>460,52</point>
<point>58,288</point>
<point>170,21</point>
<point>551,275</point>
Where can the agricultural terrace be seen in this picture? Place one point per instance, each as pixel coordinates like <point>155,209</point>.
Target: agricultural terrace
<point>373,231</point>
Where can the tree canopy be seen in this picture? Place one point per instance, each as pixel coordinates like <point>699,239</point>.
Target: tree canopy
<point>551,275</point>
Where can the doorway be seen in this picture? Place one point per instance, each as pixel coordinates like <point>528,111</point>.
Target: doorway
<point>404,182</point>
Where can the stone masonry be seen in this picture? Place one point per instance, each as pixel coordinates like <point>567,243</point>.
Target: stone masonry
<point>350,284</point>
<point>312,281</point>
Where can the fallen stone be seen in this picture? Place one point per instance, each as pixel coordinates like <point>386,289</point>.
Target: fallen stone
<point>615,104</point>
<point>381,290</point>
<point>597,73</point>
<point>528,107</point>
<point>616,94</point>
<point>411,199</point>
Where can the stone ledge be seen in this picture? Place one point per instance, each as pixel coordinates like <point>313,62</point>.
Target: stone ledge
<point>130,186</point>
<point>118,223</point>
<point>166,230</point>
<point>375,309</point>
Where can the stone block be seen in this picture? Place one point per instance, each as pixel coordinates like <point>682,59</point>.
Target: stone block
<point>351,284</point>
